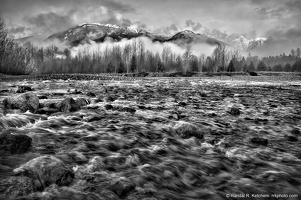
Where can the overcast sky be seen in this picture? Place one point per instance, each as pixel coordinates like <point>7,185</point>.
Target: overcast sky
<point>276,19</point>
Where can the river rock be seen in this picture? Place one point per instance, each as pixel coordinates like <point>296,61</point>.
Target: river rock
<point>187,130</point>
<point>46,170</point>
<point>71,105</point>
<point>27,101</point>
<point>122,187</point>
<point>261,141</point>
<point>14,143</point>
<point>234,111</point>
<point>23,89</point>
<point>15,186</point>
<point>91,94</point>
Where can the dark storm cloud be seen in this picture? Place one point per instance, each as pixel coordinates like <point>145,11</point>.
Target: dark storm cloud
<point>49,22</point>
<point>292,34</point>
<point>15,5</point>
<point>47,17</point>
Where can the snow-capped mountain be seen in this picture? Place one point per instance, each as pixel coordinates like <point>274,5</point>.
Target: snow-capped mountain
<point>87,32</point>
<point>84,33</point>
<point>244,44</point>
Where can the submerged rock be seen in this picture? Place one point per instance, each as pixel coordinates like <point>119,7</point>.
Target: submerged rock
<point>234,111</point>
<point>46,111</point>
<point>46,170</point>
<point>90,94</point>
<point>126,109</point>
<point>27,101</point>
<point>187,130</point>
<point>108,107</point>
<point>110,98</point>
<point>53,192</point>
<point>291,138</point>
<point>261,141</point>
<point>122,187</point>
<point>15,186</point>
<point>23,89</point>
<point>14,143</point>
<point>295,131</point>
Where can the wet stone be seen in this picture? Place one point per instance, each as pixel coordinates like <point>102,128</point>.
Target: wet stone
<point>110,98</point>
<point>234,111</point>
<point>94,118</point>
<point>43,97</point>
<point>291,138</point>
<point>260,141</point>
<point>27,101</point>
<point>108,107</point>
<point>122,187</point>
<point>14,143</point>
<point>46,170</point>
<point>187,130</point>
<point>90,94</point>
<point>15,186</point>
<point>71,105</point>
<point>46,111</point>
<point>127,109</point>
<point>23,89</point>
<point>296,131</point>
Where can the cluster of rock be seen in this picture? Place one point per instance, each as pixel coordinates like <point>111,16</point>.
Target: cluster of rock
<point>29,101</point>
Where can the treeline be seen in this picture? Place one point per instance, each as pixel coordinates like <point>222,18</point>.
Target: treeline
<point>15,59</point>
<point>129,57</point>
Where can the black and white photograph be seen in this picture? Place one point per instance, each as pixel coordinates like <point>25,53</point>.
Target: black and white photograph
<point>150,99</point>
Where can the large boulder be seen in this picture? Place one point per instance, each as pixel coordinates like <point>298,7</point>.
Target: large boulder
<point>187,130</point>
<point>71,105</point>
<point>46,170</point>
<point>15,186</point>
<point>27,101</point>
<point>14,143</point>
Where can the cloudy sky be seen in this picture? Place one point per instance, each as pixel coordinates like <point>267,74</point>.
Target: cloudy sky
<point>275,19</point>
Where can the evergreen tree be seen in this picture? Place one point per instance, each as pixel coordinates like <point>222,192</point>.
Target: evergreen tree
<point>133,66</point>
<point>251,67</point>
<point>296,66</point>
<point>261,66</point>
<point>293,53</point>
<point>231,67</point>
<point>298,53</point>
<point>121,68</point>
<point>110,68</point>
<point>287,67</point>
<point>277,68</point>
<point>161,67</point>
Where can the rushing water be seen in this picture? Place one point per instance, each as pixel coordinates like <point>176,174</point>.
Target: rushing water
<point>141,146</point>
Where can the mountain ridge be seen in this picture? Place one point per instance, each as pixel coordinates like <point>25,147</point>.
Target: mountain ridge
<point>87,32</point>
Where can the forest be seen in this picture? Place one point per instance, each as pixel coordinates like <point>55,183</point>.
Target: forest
<point>132,57</point>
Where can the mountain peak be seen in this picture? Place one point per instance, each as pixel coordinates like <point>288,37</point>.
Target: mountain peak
<point>188,32</point>
<point>245,44</point>
<point>98,24</point>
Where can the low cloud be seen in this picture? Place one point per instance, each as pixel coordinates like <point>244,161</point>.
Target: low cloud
<point>194,26</point>
<point>167,30</point>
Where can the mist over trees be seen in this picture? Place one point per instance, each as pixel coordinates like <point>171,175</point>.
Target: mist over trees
<point>132,57</point>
